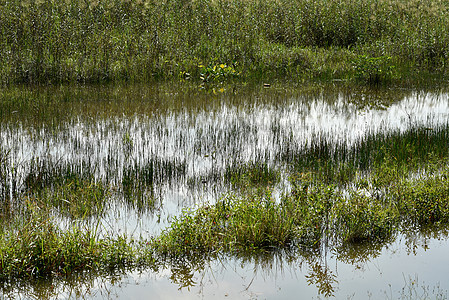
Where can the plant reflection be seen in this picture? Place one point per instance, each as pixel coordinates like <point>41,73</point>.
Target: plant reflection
<point>77,286</point>
<point>197,272</point>
<point>324,279</point>
<point>183,277</point>
<point>359,255</point>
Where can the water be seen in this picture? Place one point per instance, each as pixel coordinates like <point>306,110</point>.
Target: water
<point>175,143</point>
<point>409,268</point>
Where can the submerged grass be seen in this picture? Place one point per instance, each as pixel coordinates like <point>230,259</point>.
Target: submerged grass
<point>113,40</point>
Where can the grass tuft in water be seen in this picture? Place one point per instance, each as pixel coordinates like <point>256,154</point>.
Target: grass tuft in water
<point>232,224</point>
<point>36,247</point>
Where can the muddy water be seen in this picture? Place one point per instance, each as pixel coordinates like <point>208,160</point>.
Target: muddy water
<point>181,140</point>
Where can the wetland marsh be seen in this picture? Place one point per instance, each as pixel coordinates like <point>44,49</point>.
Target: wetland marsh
<point>224,148</point>
<point>241,191</point>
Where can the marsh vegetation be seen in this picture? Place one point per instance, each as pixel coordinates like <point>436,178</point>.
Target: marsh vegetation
<point>179,134</point>
<point>215,40</point>
<point>120,178</point>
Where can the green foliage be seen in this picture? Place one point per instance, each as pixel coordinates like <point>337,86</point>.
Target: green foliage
<point>424,201</point>
<point>233,224</point>
<point>310,209</point>
<point>362,218</point>
<point>111,40</point>
<point>37,247</point>
<point>311,214</point>
<point>219,72</point>
<point>373,70</point>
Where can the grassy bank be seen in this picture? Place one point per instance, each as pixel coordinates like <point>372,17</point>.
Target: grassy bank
<point>215,40</point>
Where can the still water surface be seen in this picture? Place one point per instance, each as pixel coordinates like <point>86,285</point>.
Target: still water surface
<point>392,273</point>
<point>188,138</point>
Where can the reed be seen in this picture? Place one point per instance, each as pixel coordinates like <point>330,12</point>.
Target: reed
<point>114,40</point>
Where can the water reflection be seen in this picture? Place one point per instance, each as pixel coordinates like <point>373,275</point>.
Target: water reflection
<point>160,149</point>
<point>358,273</point>
<point>162,146</point>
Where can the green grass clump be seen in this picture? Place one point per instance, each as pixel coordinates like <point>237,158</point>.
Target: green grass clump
<point>36,247</point>
<point>424,201</point>
<point>362,218</point>
<point>307,217</point>
<point>233,224</point>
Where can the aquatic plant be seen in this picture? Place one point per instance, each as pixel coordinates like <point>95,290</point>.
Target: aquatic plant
<point>218,72</point>
<point>373,70</point>
<point>36,247</point>
<point>233,224</point>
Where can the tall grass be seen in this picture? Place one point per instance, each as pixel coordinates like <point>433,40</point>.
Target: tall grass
<point>104,40</point>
